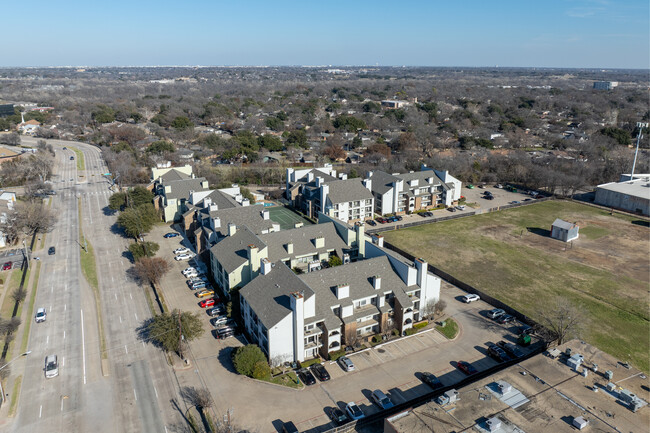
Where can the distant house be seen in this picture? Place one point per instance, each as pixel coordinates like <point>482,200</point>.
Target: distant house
<point>605,85</point>
<point>29,127</point>
<point>564,231</point>
<point>394,104</point>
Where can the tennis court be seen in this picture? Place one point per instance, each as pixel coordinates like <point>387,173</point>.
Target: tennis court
<point>286,217</point>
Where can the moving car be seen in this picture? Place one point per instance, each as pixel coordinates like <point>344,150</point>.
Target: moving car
<point>381,399</point>
<point>338,416</point>
<point>471,298</point>
<point>6,266</point>
<point>506,318</point>
<point>51,366</point>
<point>497,353</point>
<point>353,410</point>
<point>204,293</point>
<point>346,363</point>
<point>497,312</point>
<point>206,303</point>
<point>181,250</point>
<point>170,235</point>
<point>320,372</point>
<point>40,315</point>
<point>51,251</point>
<point>180,257</point>
<point>466,368</point>
<point>510,349</point>
<point>431,380</point>
<point>306,376</point>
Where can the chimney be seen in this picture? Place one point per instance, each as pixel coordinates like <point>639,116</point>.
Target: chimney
<point>289,248</point>
<point>232,229</point>
<point>368,184</point>
<point>360,238</point>
<point>319,181</point>
<point>343,176</point>
<point>422,270</point>
<point>245,202</point>
<point>216,223</point>
<point>252,253</point>
<point>206,202</point>
<point>376,282</point>
<point>319,242</point>
<point>265,214</point>
<point>310,177</point>
<point>342,291</point>
<point>297,225</point>
<point>298,308</point>
<point>213,208</point>
<point>265,266</point>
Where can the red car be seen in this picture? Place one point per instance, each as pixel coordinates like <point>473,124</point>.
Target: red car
<point>208,303</point>
<point>466,368</point>
<point>6,266</point>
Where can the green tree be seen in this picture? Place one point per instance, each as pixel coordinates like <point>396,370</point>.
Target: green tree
<point>247,140</point>
<point>247,194</point>
<point>371,107</point>
<point>122,146</point>
<point>273,144</point>
<point>620,135</point>
<point>274,123</point>
<point>160,147</point>
<point>349,123</point>
<point>182,123</point>
<point>334,261</point>
<point>282,116</point>
<point>103,114</point>
<point>164,329</point>
<point>246,358</point>
<point>136,197</point>
<point>356,142</point>
<point>261,370</point>
<point>137,220</point>
<point>143,249</point>
<point>297,138</point>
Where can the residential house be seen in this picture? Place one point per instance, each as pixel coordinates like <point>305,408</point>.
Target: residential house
<point>410,192</point>
<point>172,188</point>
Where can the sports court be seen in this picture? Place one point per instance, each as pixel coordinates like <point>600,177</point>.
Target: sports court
<point>285,217</point>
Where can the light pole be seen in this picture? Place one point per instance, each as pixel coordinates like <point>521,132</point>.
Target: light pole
<point>639,125</point>
<point>19,356</point>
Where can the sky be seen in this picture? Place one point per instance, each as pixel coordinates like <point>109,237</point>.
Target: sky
<point>549,33</point>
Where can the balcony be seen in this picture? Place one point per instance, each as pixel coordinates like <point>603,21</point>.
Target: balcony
<point>313,345</point>
<point>314,331</point>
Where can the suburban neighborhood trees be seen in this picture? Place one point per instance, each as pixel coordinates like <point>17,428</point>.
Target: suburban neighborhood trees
<point>149,270</point>
<point>137,220</point>
<point>165,330</point>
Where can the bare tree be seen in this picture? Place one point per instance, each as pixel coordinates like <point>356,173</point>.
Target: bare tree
<point>11,139</point>
<point>10,227</point>
<point>149,270</point>
<point>201,399</point>
<point>35,218</point>
<point>440,306</point>
<point>19,295</point>
<point>563,319</point>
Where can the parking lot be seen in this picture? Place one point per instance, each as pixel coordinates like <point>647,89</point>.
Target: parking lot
<point>394,367</point>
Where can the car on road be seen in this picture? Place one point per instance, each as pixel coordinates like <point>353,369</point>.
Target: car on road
<point>338,416</point>
<point>207,303</point>
<point>180,257</point>
<point>431,380</point>
<point>471,298</point>
<point>71,158</point>
<point>497,353</point>
<point>353,411</point>
<point>181,250</point>
<point>218,321</point>
<point>224,333</point>
<point>51,366</point>
<point>320,372</point>
<point>204,293</point>
<point>7,266</point>
<point>495,313</point>
<point>216,310</point>
<point>170,235</point>
<point>510,349</point>
<point>346,363</point>
<point>41,314</point>
<point>306,377</point>
<point>466,368</point>
<point>381,399</point>
<point>506,318</point>
<point>371,223</point>
<point>289,427</point>
<point>51,251</point>
<point>65,148</point>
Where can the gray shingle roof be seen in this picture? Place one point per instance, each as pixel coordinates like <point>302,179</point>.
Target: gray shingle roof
<point>232,251</point>
<point>343,191</point>
<point>173,174</point>
<point>222,200</point>
<point>421,176</point>
<point>182,188</point>
<point>382,182</point>
<point>268,295</point>
<point>249,216</point>
<point>563,224</point>
<point>303,241</point>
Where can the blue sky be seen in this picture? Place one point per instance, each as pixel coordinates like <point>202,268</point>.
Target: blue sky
<point>551,33</point>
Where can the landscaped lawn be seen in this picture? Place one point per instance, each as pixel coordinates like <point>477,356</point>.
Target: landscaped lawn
<point>510,255</point>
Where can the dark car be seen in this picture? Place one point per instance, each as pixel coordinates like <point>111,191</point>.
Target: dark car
<point>170,235</point>
<point>306,377</point>
<point>289,427</point>
<point>51,251</point>
<point>431,380</point>
<point>398,218</point>
<point>320,372</point>
<point>497,353</point>
<point>426,214</point>
<point>371,223</point>
<point>506,318</point>
<point>338,416</point>
<point>489,197</point>
<point>466,368</point>
<point>393,219</point>
<point>71,158</point>
<point>451,209</point>
<point>510,349</point>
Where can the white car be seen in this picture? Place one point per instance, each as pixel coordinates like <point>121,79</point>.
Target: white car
<point>471,298</point>
<point>189,270</point>
<point>192,274</point>
<point>460,207</point>
<point>40,315</point>
<point>180,257</point>
<point>181,250</point>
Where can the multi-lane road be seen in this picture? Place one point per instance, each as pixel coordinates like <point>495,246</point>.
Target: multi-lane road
<point>132,389</point>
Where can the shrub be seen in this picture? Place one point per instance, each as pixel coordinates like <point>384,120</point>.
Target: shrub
<point>396,332</point>
<point>333,356</point>
<point>261,370</point>
<point>246,359</point>
<point>310,362</point>
<point>421,325</point>
<point>376,339</point>
<point>410,331</point>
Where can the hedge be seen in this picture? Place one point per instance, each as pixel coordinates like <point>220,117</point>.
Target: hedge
<point>333,356</point>
<point>421,325</point>
<point>311,362</point>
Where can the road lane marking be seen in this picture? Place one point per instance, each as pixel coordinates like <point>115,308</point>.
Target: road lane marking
<point>130,295</point>
<point>47,340</point>
<point>165,429</point>
<point>120,319</point>
<point>136,317</point>
<point>135,395</point>
<point>62,361</point>
<point>116,296</point>
<point>40,411</point>
<point>126,348</point>
<point>83,345</point>
<point>61,405</point>
<point>65,307</point>
<point>155,391</point>
<point>64,335</point>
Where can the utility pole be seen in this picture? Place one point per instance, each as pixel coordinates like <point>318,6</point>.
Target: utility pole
<point>639,125</point>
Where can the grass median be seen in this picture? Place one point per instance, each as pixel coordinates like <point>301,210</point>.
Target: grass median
<point>81,164</point>
<point>30,309</point>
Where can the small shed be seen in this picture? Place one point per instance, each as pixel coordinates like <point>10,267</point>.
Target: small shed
<point>564,231</point>
<point>580,422</point>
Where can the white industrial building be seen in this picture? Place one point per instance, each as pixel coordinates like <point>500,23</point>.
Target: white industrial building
<point>628,195</point>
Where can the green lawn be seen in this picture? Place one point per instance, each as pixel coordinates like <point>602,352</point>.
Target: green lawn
<point>450,330</point>
<point>509,255</point>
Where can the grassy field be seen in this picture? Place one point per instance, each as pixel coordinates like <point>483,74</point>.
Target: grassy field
<point>510,255</point>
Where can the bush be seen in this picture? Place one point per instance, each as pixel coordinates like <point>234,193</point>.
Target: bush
<point>421,325</point>
<point>246,359</point>
<point>144,249</point>
<point>376,339</point>
<point>410,331</point>
<point>333,356</point>
<point>261,370</point>
<point>396,332</point>
<point>310,363</point>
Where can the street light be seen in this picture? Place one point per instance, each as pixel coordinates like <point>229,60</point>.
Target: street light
<point>639,125</point>
<point>19,356</point>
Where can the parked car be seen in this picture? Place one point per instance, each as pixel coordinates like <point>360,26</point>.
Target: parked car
<point>181,250</point>
<point>498,186</point>
<point>482,186</point>
<point>426,214</point>
<point>41,314</point>
<point>470,186</point>
<point>506,318</point>
<point>217,309</point>
<point>51,366</point>
<point>218,321</point>
<point>451,209</point>
<point>489,197</point>
<point>197,279</point>
<point>51,251</point>
<point>306,377</point>
<point>497,312</point>
<point>224,333</point>
<point>515,202</point>
<point>371,223</point>
<point>497,353</point>
<point>471,298</point>
<point>170,235</point>
<point>320,372</point>
<point>204,293</point>
<point>510,349</point>
<point>198,285</point>
<point>466,368</point>
<point>180,257</point>
<point>338,416</point>
<point>381,399</point>
<point>353,411</point>
<point>431,380</point>
<point>460,207</point>
<point>7,266</point>
<point>289,427</point>
<point>398,218</point>
<point>189,270</point>
<point>192,274</point>
<point>382,220</point>
<point>207,303</point>
<point>346,363</point>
